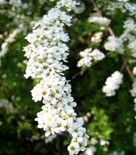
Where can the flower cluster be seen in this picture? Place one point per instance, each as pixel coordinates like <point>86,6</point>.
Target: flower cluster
<point>47,53</point>
<point>127,38</point>
<point>18,24</point>
<point>123,5</point>
<point>102,142</point>
<point>88,56</point>
<point>9,40</point>
<point>99,20</point>
<point>14,3</point>
<point>95,141</point>
<point>5,104</point>
<point>80,8</point>
<point>134,70</point>
<point>97,37</point>
<point>129,35</point>
<point>90,150</point>
<point>112,83</point>
<point>114,44</point>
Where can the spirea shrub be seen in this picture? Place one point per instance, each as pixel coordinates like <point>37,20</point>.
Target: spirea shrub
<point>77,60</point>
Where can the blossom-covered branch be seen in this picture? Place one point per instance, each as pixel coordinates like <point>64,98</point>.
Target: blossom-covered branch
<point>47,53</point>
<point>117,42</point>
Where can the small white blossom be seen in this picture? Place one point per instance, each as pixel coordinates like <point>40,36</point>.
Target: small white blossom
<point>97,37</point>
<point>88,56</point>
<point>86,59</point>
<point>9,40</point>
<point>123,5</point>
<point>90,150</point>
<point>112,84</point>
<point>99,20</point>
<point>134,70</point>
<point>133,90</point>
<point>104,142</point>
<point>79,9</point>
<point>94,141</point>
<point>97,55</point>
<point>114,44</point>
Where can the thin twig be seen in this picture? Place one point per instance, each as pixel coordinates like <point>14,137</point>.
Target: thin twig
<point>123,66</point>
<point>74,76</point>
<point>112,34</point>
<point>128,69</point>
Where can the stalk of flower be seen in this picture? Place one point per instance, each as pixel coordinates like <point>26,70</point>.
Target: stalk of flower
<point>46,55</point>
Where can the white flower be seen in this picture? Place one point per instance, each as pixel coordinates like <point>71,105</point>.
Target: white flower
<point>9,40</point>
<point>133,90</point>
<point>97,37</point>
<point>112,83</point>
<point>134,70</point>
<point>69,4</point>
<point>90,150</point>
<point>129,35</point>
<point>114,44</point>
<point>97,54</point>
<point>129,25</point>
<point>99,20</point>
<point>86,59</point>
<point>88,56</point>
<point>104,142</point>
<point>94,141</point>
<point>79,9</point>
<point>46,55</point>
